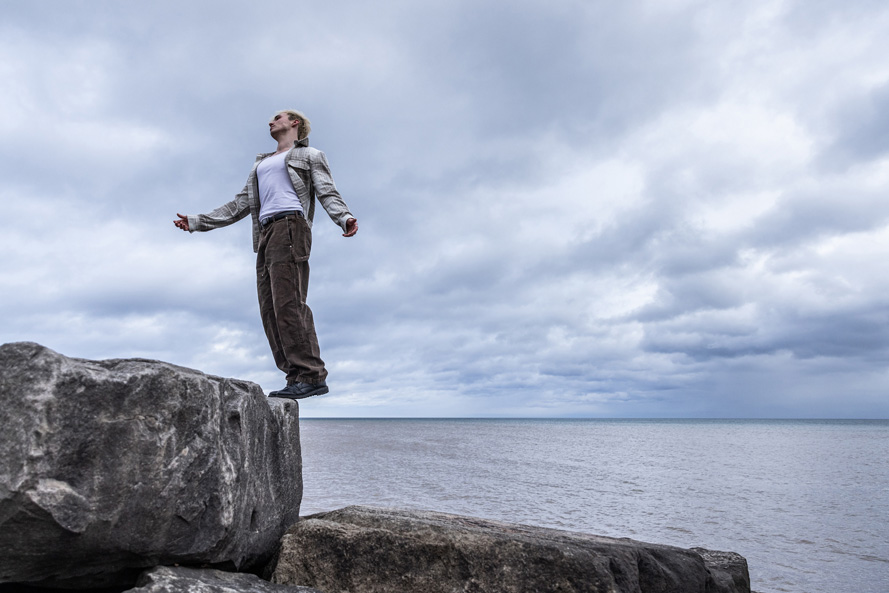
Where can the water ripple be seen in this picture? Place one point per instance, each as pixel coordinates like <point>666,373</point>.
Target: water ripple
<point>804,502</point>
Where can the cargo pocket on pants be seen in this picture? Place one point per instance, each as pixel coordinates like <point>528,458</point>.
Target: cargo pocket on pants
<point>300,238</point>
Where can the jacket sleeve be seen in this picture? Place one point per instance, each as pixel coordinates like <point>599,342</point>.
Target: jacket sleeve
<point>228,213</point>
<point>326,191</point>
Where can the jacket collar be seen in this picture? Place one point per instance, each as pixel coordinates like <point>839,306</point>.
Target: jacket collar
<point>296,144</point>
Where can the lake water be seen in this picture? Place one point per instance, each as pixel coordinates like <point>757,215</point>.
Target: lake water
<point>806,502</point>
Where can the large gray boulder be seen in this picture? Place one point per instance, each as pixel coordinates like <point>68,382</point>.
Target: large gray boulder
<point>109,467</point>
<point>371,550</point>
<point>165,579</point>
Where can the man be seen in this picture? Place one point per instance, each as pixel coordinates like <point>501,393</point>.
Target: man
<point>280,198</point>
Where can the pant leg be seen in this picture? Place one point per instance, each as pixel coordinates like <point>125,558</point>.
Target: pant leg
<point>282,279</point>
<point>266,303</point>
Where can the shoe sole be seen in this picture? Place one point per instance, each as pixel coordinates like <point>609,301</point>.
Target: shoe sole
<point>319,391</point>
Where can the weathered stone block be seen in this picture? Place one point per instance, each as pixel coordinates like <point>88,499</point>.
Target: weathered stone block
<point>109,467</point>
<point>191,580</point>
<point>370,550</point>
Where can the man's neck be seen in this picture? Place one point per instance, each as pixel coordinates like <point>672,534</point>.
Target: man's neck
<point>285,141</point>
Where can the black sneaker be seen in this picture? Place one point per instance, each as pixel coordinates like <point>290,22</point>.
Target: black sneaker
<point>301,390</point>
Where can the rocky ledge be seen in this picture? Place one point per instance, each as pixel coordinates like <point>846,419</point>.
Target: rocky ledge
<point>111,467</point>
<point>371,550</point>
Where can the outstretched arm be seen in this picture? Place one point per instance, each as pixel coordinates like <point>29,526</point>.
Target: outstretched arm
<point>327,194</point>
<point>225,215</point>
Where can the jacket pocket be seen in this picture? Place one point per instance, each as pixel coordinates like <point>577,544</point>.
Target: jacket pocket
<point>301,175</point>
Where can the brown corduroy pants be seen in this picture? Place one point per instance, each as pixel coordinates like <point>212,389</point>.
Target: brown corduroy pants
<point>282,283</point>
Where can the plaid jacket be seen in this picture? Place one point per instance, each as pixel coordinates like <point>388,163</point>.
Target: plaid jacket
<point>311,178</point>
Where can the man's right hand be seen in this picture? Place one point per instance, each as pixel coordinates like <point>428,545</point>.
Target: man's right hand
<point>182,223</point>
<point>351,227</point>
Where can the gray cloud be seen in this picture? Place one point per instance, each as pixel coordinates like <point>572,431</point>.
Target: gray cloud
<point>570,209</point>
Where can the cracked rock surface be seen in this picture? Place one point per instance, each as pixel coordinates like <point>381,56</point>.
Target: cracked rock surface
<point>110,467</point>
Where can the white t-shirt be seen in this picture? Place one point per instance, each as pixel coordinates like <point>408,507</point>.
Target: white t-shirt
<point>276,193</point>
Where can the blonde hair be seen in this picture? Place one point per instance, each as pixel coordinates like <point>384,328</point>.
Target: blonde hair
<point>305,126</point>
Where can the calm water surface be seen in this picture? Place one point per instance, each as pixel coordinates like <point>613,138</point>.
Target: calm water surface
<point>806,502</point>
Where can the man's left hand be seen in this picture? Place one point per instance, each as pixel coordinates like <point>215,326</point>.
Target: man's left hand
<point>351,227</point>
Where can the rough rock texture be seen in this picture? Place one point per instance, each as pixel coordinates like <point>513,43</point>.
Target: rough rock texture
<point>190,580</point>
<point>110,467</point>
<point>368,550</point>
<point>728,569</point>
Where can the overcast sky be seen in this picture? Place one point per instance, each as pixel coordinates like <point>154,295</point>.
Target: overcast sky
<point>567,208</point>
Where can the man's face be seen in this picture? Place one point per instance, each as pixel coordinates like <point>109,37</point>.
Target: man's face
<point>280,123</point>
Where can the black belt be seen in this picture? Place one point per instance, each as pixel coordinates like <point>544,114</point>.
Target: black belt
<point>270,219</point>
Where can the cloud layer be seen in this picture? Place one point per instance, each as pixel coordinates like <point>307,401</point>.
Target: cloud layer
<point>571,209</point>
